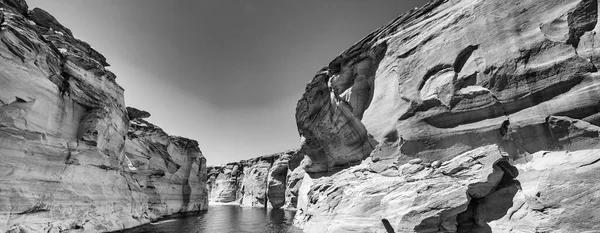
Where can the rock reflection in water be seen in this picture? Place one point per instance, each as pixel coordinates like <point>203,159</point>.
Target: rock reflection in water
<point>224,218</point>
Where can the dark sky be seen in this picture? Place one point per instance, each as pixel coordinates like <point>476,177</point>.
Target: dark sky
<point>227,73</point>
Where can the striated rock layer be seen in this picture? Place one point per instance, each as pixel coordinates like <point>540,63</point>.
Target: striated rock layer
<point>169,169</point>
<point>459,116</point>
<point>64,133</point>
<point>268,181</point>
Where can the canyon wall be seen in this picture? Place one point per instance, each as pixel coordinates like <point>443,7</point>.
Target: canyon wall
<point>268,181</point>
<point>69,160</point>
<point>459,116</point>
<point>169,169</point>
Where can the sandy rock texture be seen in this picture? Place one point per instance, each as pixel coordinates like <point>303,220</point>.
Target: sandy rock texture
<point>265,181</point>
<point>169,169</point>
<point>63,133</point>
<point>224,183</point>
<point>510,84</point>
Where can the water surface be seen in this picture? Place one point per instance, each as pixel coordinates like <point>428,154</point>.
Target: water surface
<point>223,219</point>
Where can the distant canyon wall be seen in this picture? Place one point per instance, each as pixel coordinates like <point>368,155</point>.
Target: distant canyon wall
<point>72,156</point>
<point>270,181</point>
<point>459,116</point>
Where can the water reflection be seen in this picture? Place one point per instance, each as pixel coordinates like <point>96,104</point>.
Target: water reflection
<point>224,218</point>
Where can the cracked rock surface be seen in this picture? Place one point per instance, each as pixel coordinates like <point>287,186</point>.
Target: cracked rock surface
<point>67,158</point>
<point>459,116</point>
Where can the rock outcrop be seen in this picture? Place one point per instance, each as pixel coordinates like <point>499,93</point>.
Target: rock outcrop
<point>63,136</point>
<point>443,121</point>
<point>415,196</point>
<point>224,183</point>
<point>259,182</point>
<point>169,169</point>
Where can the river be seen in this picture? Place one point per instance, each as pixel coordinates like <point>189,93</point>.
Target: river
<point>224,219</point>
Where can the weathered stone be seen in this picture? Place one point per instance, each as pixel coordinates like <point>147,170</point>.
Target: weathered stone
<point>556,193</point>
<point>64,133</point>
<point>45,19</point>
<point>415,161</point>
<point>294,181</point>
<point>426,201</point>
<point>225,182</point>
<point>277,182</point>
<point>19,5</point>
<point>170,170</point>
<point>439,121</point>
<point>265,181</point>
<point>135,114</point>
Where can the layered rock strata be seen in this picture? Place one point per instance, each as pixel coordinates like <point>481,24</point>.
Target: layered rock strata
<point>265,181</point>
<point>169,169</point>
<point>63,135</point>
<point>497,101</point>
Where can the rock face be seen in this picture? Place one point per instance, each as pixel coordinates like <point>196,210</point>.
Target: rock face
<point>255,185</point>
<point>294,181</point>
<point>169,169</point>
<point>259,182</point>
<point>224,183</point>
<point>450,112</point>
<point>63,137</point>
<point>417,196</point>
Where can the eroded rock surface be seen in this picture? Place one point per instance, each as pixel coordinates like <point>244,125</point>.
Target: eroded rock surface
<point>224,183</point>
<point>63,133</point>
<point>438,85</point>
<point>259,182</point>
<point>169,169</point>
<point>419,198</point>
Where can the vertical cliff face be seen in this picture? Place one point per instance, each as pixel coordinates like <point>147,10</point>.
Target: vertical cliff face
<point>224,183</point>
<point>170,170</point>
<point>452,110</point>
<point>259,182</point>
<point>63,133</point>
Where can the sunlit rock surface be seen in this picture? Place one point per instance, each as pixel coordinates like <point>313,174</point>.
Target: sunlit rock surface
<point>514,82</point>
<point>411,196</point>
<point>63,133</point>
<point>169,169</point>
<point>259,182</point>
<point>224,183</point>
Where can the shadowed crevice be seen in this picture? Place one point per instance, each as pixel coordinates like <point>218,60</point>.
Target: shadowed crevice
<point>463,56</point>
<point>480,211</point>
<point>582,19</point>
<point>492,207</point>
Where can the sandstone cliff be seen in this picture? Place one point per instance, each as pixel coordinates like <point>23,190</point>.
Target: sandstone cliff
<point>63,136</point>
<point>459,116</point>
<point>169,169</point>
<point>266,181</point>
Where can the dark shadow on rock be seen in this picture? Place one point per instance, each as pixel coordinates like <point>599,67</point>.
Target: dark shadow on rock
<point>333,171</point>
<point>480,211</point>
<point>186,191</point>
<point>388,226</point>
<point>492,207</point>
